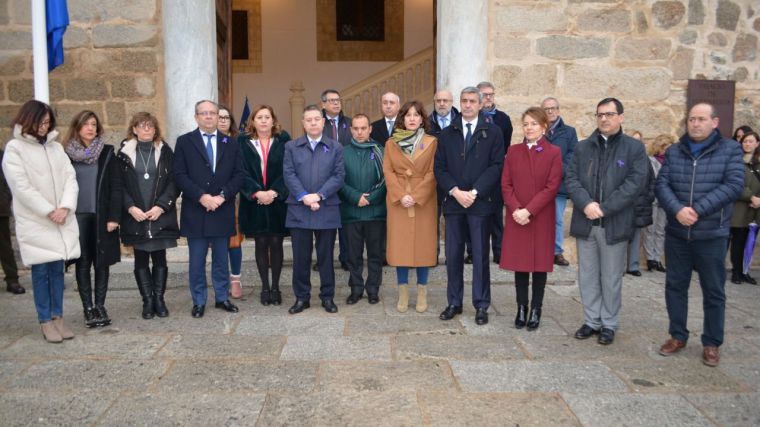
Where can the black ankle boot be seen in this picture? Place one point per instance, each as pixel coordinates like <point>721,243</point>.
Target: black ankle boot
<point>534,318</point>
<point>159,288</point>
<point>102,318</point>
<point>90,317</point>
<point>84,286</point>
<point>145,285</point>
<point>651,265</point>
<point>101,288</point>
<point>520,319</point>
<point>274,295</point>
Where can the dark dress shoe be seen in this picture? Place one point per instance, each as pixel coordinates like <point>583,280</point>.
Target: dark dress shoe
<point>585,331</point>
<point>299,306</point>
<point>736,278</point>
<point>749,279</point>
<point>534,319</point>
<point>560,260</point>
<point>15,288</point>
<point>198,310</point>
<point>315,267</point>
<point>226,305</point>
<point>344,266</point>
<point>353,298</point>
<point>329,306</point>
<point>275,297</point>
<point>660,267</point>
<point>373,298</point>
<point>651,265</point>
<point>481,316</point>
<point>496,259</point>
<point>265,297</point>
<point>450,312</point>
<point>522,315</point>
<point>636,273</point>
<point>468,259</point>
<point>606,337</point>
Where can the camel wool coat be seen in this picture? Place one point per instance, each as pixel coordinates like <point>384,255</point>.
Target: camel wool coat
<point>412,232</point>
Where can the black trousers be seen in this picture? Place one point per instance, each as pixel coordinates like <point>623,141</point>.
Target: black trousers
<point>738,240</point>
<point>302,245</point>
<point>7,257</point>
<point>87,223</point>
<point>359,234</point>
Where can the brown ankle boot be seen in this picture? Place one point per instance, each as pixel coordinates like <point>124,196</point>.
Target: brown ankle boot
<point>50,333</point>
<point>62,329</point>
<point>422,304</point>
<point>403,298</point>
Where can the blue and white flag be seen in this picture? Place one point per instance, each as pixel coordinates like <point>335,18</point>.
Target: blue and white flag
<point>245,115</point>
<point>56,21</point>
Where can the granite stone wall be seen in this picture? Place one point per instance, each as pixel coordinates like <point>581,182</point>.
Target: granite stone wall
<point>112,62</point>
<point>642,52</point>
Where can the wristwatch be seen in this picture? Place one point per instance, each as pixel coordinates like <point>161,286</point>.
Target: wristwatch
<point>474,192</point>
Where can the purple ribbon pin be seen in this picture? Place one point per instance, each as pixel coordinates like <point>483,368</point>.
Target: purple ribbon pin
<point>325,148</point>
<point>224,140</point>
<point>539,149</point>
<point>422,146</point>
<point>372,156</point>
<point>620,163</point>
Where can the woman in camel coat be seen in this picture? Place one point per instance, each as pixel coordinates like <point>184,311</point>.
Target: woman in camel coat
<point>411,201</point>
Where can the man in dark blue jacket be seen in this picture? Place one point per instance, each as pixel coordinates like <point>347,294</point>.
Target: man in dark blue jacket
<point>208,170</point>
<point>468,169</point>
<point>697,186</point>
<point>564,137</point>
<point>313,172</point>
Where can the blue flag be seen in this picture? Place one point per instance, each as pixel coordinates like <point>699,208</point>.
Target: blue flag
<point>56,19</point>
<point>245,115</point>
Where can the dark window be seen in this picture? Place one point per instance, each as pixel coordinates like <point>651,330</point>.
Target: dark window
<point>239,34</point>
<point>362,20</point>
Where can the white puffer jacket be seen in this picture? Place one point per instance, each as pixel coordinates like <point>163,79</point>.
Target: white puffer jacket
<point>41,180</point>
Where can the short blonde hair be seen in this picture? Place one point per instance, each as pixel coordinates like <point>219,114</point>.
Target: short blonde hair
<point>660,144</point>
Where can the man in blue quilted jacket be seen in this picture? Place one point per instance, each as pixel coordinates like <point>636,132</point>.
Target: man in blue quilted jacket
<point>701,178</point>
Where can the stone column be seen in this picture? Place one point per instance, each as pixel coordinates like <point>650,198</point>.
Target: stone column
<point>462,44</point>
<point>297,104</point>
<point>190,74</point>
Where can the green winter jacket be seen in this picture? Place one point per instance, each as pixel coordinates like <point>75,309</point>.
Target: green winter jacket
<point>364,174</point>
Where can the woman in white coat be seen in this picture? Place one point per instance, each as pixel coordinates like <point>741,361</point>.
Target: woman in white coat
<point>44,188</point>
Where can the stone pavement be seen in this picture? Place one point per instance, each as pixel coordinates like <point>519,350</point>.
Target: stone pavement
<point>370,365</point>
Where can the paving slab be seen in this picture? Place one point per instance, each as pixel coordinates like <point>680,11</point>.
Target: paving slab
<point>456,347</point>
<point>568,348</point>
<point>52,408</point>
<point>182,409</point>
<point>337,348</point>
<point>386,376</point>
<point>119,345</point>
<point>292,325</point>
<point>627,409</point>
<point>89,375</point>
<point>747,373</point>
<point>496,409</point>
<point>226,376</point>
<point>529,376</point>
<point>223,347</point>
<point>340,408</point>
<point>674,375</point>
<point>505,326</point>
<point>729,409</point>
<point>9,368</point>
<point>393,325</point>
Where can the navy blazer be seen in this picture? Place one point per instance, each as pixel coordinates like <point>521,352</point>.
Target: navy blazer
<point>344,128</point>
<point>435,128</point>
<point>194,177</point>
<point>478,168</point>
<point>320,171</point>
<point>379,132</point>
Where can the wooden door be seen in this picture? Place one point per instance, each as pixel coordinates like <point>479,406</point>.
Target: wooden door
<point>224,50</point>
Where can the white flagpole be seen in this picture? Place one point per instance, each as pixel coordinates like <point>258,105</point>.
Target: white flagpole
<point>39,46</point>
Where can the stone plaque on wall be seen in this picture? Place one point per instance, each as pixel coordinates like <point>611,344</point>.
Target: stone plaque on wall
<point>719,93</point>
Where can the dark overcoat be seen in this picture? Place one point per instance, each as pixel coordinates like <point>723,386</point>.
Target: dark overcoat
<point>319,171</point>
<point>256,219</point>
<point>194,177</point>
<point>530,180</point>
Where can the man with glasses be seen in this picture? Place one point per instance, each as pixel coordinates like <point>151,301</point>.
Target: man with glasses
<point>383,129</point>
<point>564,137</point>
<point>444,112</point>
<point>605,176</point>
<point>208,170</point>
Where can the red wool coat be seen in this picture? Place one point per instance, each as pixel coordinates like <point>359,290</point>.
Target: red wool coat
<point>530,179</point>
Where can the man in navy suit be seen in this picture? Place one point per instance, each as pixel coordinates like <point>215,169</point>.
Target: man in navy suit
<point>208,169</point>
<point>383,129</point>
<point>313,172</point>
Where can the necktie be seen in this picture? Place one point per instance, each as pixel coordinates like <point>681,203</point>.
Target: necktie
<point>335,128</point>
<point>210,150</point>
<point>390,127</point>
<point>444,122</point>
<point>468,136</point>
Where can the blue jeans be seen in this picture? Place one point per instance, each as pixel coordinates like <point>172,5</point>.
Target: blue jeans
<point>236,260</point>
<point>402,275</point>
<point>559,233</point>
<point>220,269</point>
<point>47,283</point>
<point>709,256</point>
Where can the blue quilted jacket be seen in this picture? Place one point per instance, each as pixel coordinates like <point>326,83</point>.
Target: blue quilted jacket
<point>709,183</point>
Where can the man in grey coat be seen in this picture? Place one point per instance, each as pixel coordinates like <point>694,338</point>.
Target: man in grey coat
<point>313,172</point>
<point>605,176</point>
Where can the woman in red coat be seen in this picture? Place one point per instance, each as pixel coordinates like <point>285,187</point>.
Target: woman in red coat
<point>529,182</point>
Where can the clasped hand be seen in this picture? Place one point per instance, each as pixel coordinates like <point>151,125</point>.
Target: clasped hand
<point>687,216</point>
<point>593,211</point>
<point>211,203</point>
<point>312,201</point>
<point>58,216</point>
<point>465,198</point>
<point>407,201</point>
<point>151,215</point>
<point>265,197</point>
<point>521,216</point>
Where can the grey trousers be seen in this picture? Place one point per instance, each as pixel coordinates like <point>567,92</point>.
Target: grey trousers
<point>600,279</point>
<point>654,235</point>
<point>634,249</point>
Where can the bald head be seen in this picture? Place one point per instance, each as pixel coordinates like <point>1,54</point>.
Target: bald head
<point>391,104</point>
<point>443,101</point>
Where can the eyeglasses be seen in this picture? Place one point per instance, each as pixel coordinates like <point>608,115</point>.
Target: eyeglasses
<point>146,126</point>
<point>45,123</point>
<point>333,100</point>
<point>488,95</point>
<point>444,100</point>
<point>207,113</point>
<point>224,118</point>
<point>551,109</point>
<point>607,115</point>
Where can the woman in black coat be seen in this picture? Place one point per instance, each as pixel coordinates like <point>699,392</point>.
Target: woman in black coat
<point>149,215</point>
<point>98,212</point>
<point>262,197</point>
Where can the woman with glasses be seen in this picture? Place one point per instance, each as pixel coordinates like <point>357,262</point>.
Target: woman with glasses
<point>98,212</point>
<point>44,187</point>
<point>149,218</point>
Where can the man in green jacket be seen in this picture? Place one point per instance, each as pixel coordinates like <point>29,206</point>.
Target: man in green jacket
<point>362,210</point>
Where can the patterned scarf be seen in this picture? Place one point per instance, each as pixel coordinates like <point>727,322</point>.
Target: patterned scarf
<point>407,139</point>
<point>88,155</point>
<point>376,155</point>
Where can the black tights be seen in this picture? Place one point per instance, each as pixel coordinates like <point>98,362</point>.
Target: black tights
<point>142,258</point>
<point>269,255</point>
<point>522,281</point>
